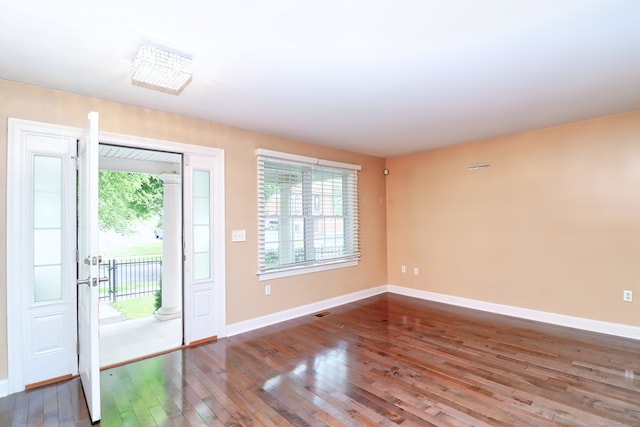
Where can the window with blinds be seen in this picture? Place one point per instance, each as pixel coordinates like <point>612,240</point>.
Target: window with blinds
<point>308,212</point>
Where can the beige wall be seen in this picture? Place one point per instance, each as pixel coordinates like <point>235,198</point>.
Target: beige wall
<point>245,295</point>
<point>553,224</point>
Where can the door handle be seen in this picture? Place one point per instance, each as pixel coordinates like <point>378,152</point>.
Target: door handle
<point>91,282</point>
<point>93,260</point>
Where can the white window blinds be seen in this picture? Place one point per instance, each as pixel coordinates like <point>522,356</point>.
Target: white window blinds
<point>308,212</point>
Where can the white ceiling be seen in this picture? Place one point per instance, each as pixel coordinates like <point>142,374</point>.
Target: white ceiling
<point>372,76</point>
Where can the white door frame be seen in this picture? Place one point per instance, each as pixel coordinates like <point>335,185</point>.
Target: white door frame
<point>216,158</point>
<point>15,326</point>
<point>17,161</point>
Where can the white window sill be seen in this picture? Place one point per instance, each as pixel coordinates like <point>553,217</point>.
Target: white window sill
<point>305,270</point>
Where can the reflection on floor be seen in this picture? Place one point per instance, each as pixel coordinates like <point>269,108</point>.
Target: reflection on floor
<point>122,340</point>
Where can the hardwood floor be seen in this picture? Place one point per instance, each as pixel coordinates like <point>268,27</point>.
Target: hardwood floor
<point>387,360</point>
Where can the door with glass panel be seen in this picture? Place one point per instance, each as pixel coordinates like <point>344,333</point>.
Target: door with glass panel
<point>45,315</point>
<point>202,302</point>
<point>49,271</point>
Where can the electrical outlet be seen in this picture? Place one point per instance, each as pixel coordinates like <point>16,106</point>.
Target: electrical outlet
<point>627,296</point>
<point>267,290</point>
<point>404,268</point>
<point>416,271</point>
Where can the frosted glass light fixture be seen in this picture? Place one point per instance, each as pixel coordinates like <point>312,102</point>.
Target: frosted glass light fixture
<point>158,69</point>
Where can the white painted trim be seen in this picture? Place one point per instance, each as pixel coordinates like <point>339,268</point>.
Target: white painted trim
<point>609,328</point>
<point>305,310</point>
<point>215,324</point>
<point>219,226</point>
<point>217,156</point>
<point>4,388</point>
<point>598,326</point>
<point>15,382</point>
<point>15,321</point>
<point>16,161</point>
<point>220,242</point>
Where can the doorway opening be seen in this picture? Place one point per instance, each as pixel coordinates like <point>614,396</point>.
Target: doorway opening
<point>140,208</point>
<point>52,312</point>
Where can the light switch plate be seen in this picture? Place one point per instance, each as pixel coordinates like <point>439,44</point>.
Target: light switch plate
<point>238,235</point>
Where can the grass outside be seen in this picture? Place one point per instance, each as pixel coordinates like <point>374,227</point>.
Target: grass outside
<point>140,250</point>
<point>135,308</point>
<point>140,287</point>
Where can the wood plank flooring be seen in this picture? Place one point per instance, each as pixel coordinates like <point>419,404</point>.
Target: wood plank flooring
<point>387,360</point>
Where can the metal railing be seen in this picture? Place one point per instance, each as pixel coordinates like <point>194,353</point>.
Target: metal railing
<point>130,277</point>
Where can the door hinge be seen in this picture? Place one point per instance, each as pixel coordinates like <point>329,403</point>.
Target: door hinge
<point>76,158</point>
<point>78,347</point>
<point>77,256</point>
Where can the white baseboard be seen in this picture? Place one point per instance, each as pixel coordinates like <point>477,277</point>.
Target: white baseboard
<point>617,329</point>
<point>281,316</point>
<point>4,388</point>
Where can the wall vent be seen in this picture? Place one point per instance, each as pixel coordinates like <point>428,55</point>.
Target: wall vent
<point>323,314</point>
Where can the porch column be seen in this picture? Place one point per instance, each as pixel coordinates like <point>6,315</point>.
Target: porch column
<point>171,250</point>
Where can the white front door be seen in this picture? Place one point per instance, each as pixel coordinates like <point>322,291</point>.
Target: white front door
<point>43,310</point>
<point>88,267</point>
<point>41,272</point>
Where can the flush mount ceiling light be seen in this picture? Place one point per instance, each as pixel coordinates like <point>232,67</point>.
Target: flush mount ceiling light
<point>158,69</point>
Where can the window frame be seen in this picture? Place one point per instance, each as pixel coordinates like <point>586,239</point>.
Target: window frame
<point>308,166</point>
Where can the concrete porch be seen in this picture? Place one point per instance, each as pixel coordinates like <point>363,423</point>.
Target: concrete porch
<point>122,340</point>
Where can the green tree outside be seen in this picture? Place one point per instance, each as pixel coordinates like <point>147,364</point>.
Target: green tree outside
<point>126,198</point>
